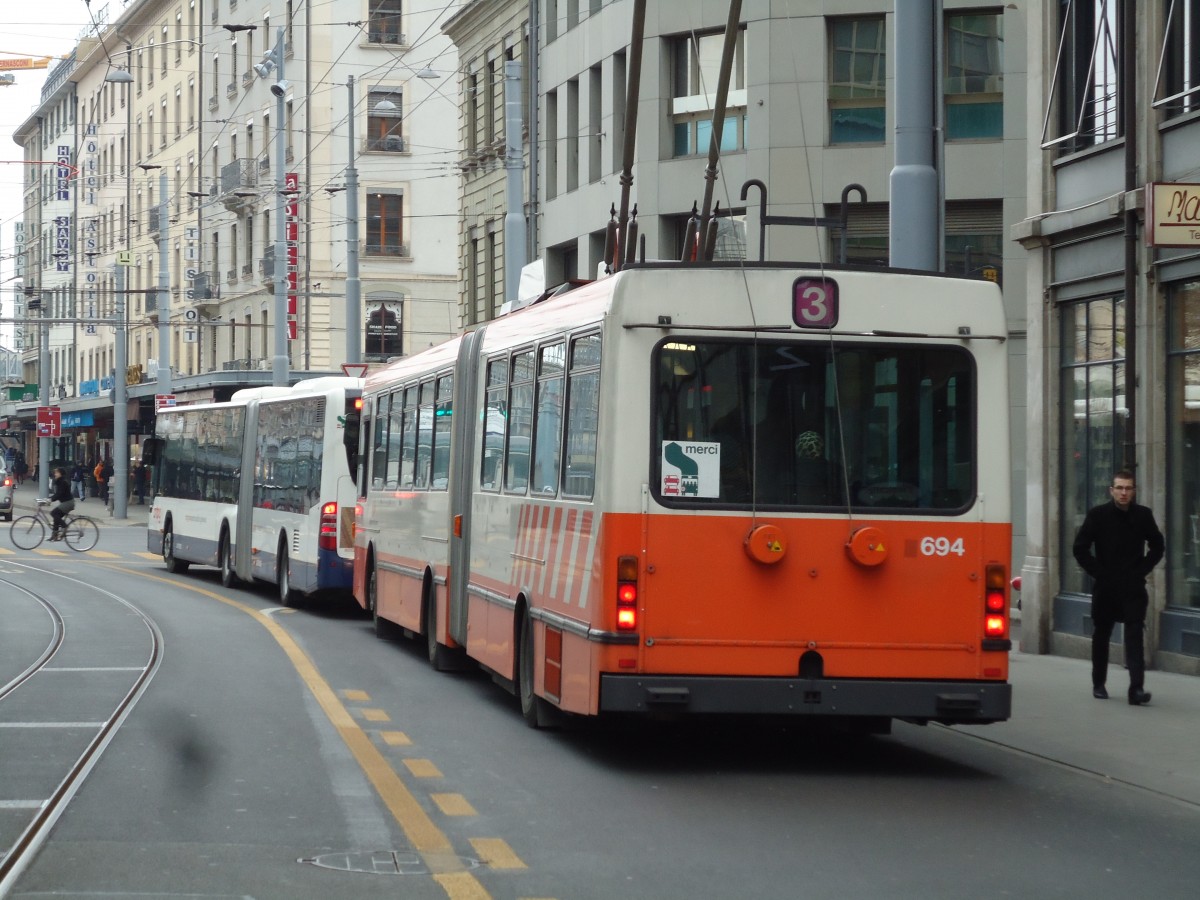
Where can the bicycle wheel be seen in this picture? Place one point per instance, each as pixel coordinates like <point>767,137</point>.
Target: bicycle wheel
<point>27,532</point>
<point>81,533</point>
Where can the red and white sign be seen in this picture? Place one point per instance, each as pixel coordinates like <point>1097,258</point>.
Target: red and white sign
<point>163,401</point>
<point>291,207</point>
<point>355,370</point>
<point>49,421</point>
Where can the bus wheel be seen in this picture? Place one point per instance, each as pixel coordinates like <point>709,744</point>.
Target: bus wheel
<point>225,560</point>
<point>173,564</point>
<point>283,579</point>
<point>537,712</point>
<point>439,654</point>
<point>389,631</point>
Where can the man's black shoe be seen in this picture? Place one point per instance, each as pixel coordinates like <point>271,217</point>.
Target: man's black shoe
<point>1099,693</point>
<point>1139,698</point>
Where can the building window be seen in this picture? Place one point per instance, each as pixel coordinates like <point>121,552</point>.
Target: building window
<point>384,26</point>
<point>385,225</point>
<point>974,85</point>
<point>385,120</point>
<point>857,59</point>
<point>1177,84</point>
<point>384,331</point>
<point>1183,445</point>
<point>1094,414</point>
<point>1086,86</point>
<point>695,70</point>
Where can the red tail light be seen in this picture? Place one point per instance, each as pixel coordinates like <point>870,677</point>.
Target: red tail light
<point>995,620</point>
<point>328,539</point>
<point>627,593</point>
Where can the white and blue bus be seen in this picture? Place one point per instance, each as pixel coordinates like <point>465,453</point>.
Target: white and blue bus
<point>261,486</point>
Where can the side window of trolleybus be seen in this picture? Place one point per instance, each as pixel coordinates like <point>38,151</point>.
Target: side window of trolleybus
<point>583,416</point>
<point>520,423</point>
<point>407,448</point>
<point>379,438</point>
<point>494,418</point>
<point>442,426</point>
<point>738,421</point>
<point>547,441</point>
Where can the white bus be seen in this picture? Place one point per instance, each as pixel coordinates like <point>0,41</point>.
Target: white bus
<point>706,488</point>
<point>261,486</point>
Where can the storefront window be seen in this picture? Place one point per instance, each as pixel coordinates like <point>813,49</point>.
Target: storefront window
<point>1094,414</point>
<point>1183,446</point>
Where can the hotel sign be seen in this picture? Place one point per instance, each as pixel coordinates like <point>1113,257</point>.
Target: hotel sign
<point>1172,214</point>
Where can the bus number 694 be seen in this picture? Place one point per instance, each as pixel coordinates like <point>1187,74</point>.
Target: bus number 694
<point>941,546</point>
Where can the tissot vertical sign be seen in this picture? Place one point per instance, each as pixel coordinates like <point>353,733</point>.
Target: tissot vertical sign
<point>691,469</point>
<point>291,185</point>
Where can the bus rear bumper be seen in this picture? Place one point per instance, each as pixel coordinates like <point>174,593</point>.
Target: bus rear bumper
<point>948,702</point>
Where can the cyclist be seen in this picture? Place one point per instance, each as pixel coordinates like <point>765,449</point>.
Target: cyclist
<point>60,491</point>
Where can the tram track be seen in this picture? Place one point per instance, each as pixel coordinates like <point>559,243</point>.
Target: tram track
<point>45,811</point>
<point>47,654</point>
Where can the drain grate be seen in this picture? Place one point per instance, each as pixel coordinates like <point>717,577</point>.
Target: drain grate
<point>378,862</point>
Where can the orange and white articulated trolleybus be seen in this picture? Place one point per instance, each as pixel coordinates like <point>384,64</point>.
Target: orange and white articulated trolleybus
<point>706,489</point>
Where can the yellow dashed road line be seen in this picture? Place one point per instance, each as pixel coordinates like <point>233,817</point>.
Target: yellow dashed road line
<point>423,768</point>
<point>454,804</point>
<point>395,738</point>
<point>496,853</point>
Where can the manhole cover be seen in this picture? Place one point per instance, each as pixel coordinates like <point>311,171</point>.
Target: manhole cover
<point>378,862</point>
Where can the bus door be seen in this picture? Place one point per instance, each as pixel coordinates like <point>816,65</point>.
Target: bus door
<point>461,479</point>
<point>243,540</point>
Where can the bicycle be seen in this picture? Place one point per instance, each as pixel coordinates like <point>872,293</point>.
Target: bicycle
<point>80,533</point>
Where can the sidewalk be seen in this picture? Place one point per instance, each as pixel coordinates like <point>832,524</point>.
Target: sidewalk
<point>25,494</point>
<point>1054,716</point>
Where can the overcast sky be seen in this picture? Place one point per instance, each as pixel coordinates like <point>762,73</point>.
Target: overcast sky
<point>28,28</point>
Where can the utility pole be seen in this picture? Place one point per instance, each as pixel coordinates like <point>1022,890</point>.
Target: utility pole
<point>353,283</point>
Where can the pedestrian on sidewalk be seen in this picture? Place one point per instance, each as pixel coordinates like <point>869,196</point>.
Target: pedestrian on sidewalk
<point>77,481</point>
<point>1118,545</point>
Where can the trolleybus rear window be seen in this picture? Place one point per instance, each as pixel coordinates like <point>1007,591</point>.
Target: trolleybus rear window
<point>813,425</point>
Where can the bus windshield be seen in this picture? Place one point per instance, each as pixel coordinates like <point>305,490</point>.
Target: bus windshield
<point>740,421</point>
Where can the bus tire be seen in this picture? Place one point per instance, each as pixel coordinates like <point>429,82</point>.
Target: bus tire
<point>439,654</point>
<point>535,710</point>
<point>225,561</point>
<point>174,564</point>
<point>388,631</point>
<point>287,597</point>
